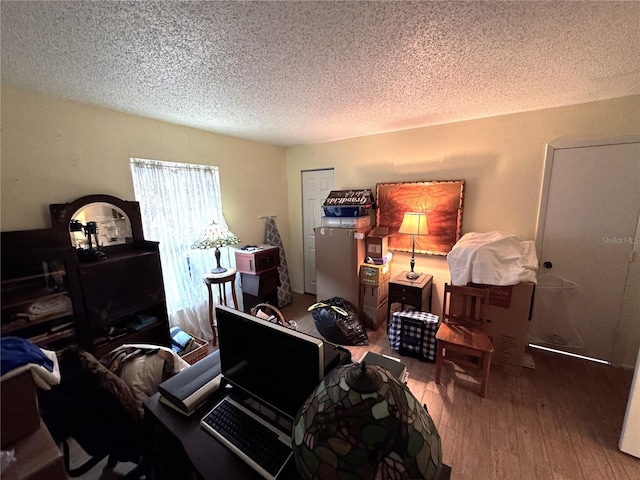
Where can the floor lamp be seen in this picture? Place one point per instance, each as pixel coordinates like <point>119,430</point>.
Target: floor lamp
<point>413,223</point>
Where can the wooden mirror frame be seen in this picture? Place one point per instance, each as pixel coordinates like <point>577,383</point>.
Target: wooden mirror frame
<point>62,213</point>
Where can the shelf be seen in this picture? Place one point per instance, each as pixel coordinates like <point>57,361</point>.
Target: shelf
<point>112,258</point>
<point>47,338</point>
<point>30,299</point>
<point>34,276</point>
<point>11,327</point>
<point>77,299</point>
<point>144,335</point>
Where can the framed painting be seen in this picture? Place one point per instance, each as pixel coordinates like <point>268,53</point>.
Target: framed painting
<point>441,200</point>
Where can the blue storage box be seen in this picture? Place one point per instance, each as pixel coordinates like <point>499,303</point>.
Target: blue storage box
<point>348,203</point>
<point>345,211</point>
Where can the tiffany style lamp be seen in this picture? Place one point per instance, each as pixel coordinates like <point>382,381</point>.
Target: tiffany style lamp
<point>361,422</point>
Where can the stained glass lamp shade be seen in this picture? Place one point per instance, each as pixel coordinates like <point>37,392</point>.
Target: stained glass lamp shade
<point>363,423</point>
<point>215,236</point>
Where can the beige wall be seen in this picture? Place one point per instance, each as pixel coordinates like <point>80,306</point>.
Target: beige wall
<point>54,151</point>
<point>501,159</point>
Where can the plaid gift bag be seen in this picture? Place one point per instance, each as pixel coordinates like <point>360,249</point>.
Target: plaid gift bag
<point>413,334</point>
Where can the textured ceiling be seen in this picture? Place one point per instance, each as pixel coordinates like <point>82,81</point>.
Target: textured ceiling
<point>290,73</point>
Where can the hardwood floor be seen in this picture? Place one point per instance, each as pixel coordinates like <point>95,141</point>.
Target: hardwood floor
<point>559,421</point>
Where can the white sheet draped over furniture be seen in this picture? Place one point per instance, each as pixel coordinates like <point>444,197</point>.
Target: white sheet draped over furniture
<point>492,258</point>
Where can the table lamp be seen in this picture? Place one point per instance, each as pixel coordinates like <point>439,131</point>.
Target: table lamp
<point>414,223</point>
<point>361,422</point>
<point>215,236</point>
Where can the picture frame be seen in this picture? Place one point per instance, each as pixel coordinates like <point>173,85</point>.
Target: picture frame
<point>441,200</point>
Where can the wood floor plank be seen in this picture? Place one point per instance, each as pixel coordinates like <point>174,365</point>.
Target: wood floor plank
<point>506,464</point>
<point>532,452</point>
<point>594,464</point>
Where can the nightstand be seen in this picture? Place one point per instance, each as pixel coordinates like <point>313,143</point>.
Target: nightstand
<point>416,293</point>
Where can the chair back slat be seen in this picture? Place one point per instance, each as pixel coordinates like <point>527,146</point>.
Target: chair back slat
<point>465,305</point>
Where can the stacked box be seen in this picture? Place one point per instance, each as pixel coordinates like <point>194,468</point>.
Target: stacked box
<point>20,414</point>
<point>374,275</point>
<point>348,209</point>
<point>377,243</point>
<point>373,304</point>
<point>509,316</point>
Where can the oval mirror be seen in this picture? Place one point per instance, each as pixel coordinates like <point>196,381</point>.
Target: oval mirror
<point>114,226</point>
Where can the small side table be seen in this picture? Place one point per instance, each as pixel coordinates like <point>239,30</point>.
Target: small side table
<point>416,293</point>
<point>220,279</point>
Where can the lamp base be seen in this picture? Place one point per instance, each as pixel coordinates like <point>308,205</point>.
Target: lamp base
<point>413,275</point>
<point>218,268</point>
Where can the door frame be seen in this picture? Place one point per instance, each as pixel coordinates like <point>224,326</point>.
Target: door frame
<point>550,151</point>
<point>304,220</point>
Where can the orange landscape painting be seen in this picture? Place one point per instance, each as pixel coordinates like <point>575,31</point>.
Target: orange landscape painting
<point>441,200</point>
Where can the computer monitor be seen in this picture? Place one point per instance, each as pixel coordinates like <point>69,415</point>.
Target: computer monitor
<point>278,366</point>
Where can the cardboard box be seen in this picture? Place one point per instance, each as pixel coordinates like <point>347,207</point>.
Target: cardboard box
<point>37,458</point>
<point>20,414</point>
<point>339,254</point>
<point>377,242</point>
<point>374,275</point>
<point>371,296</point>
<point>374,317</point>
<point>507,324</point>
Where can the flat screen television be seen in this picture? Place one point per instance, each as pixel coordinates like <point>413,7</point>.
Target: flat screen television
<point>276,365</point>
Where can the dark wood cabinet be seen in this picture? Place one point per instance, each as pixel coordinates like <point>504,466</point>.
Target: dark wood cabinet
<point>120,286</point>
<point>56,297</point>
<point>262,259</point>
<point>123,298</point>
<point>38,301</point>
<point>416,293</point>
<point>259,288</point>
<point>121,292</point>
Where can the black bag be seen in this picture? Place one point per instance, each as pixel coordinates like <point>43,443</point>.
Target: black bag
<point>337,320</point>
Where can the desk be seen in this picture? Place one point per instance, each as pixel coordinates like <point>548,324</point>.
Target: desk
<point>416,293</point>
<point>180,448</point>
<point>220,279</point>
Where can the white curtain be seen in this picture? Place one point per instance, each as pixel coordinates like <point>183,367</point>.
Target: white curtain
<point>177,202</point>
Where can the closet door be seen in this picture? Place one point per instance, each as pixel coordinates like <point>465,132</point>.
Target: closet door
<point>587,236</point>
<point>316,186</point>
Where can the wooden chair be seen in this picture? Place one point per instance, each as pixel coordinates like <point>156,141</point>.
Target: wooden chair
<point>461,336</point>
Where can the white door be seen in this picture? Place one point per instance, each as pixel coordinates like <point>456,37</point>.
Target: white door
<point>586,238</point>
<point>316,186</point>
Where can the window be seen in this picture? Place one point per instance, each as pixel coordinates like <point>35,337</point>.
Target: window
<point>177,202</point>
